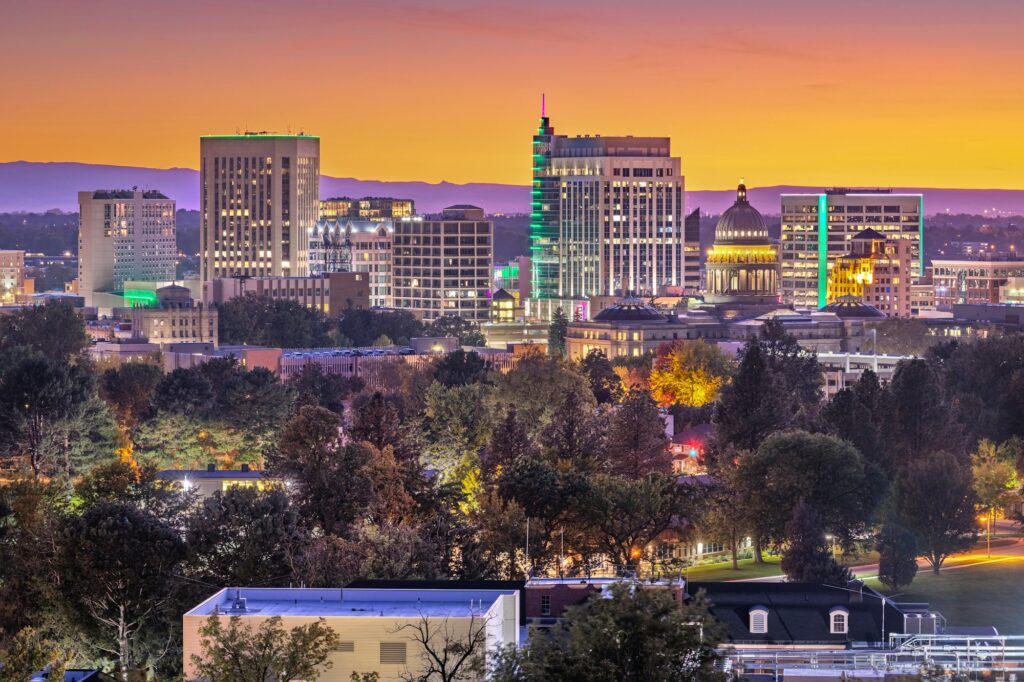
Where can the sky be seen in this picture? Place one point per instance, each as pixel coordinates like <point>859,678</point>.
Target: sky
<point>925,93</point>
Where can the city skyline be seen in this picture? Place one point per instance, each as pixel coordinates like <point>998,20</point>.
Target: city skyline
<point>792,93</point>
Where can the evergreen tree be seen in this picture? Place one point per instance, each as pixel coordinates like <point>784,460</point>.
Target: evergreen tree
<point>604,382</point>
<point>575,434</point>
<point>377,419</point>
<point>897,554</point>
<point>807,557</point>
<point>509,441</point>
<point>753,405</point>
<point>919,420</point>
<point>459,368</point>
<point>636,444</point>
<point>55,330</point>
<point>556,334</point>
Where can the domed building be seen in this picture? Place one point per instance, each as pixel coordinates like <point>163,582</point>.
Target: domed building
<point>742,266</point>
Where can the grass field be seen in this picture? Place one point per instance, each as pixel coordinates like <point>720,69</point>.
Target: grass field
<point>724,571</point>
<point>977,594</point>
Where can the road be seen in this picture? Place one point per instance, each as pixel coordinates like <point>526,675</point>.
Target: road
<point>1014,551</point>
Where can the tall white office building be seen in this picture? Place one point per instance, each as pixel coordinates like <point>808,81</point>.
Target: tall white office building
<point>260,195</point>
<point>124,235</point>
<point>621,216</point>
<point>818,228</point>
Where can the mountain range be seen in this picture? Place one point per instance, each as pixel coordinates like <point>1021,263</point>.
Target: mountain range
<point>36,187</point>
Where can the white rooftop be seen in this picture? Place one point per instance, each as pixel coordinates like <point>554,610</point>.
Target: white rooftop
<point>348,602</point>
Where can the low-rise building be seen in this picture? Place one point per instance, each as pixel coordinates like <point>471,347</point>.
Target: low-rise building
<point>206,482</point>
<point>971,281</point>
<point>331,293</point>
<point>13,282</point>
<point>175,317</point>
<point>877,269</point>
<point>374,626</point>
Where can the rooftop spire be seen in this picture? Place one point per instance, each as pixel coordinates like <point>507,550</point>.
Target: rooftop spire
<point>741,191</point>
<point>543,106</point>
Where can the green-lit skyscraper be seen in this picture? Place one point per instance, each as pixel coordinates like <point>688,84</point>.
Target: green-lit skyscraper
<point>544,214</point>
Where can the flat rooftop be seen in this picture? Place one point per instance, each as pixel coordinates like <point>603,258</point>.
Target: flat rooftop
<point>350,602</point>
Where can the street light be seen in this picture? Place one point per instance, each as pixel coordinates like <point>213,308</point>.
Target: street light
<point>987,520</point>
<point>832,540</point>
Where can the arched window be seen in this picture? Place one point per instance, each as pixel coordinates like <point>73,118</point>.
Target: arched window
<point>839,621</point>
<point>758,620</point>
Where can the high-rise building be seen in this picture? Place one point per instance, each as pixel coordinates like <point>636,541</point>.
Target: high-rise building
<point>544,200</point>
<point>355,245</point>
<point>691,252</point>
<point>620,216</point>
<point>260,195</point>
<point>124,235</point>
<point>606,218</point>
<point>367,208</point>
<point>817,229</point>
<point>878,270</point>
<point>442,265</point>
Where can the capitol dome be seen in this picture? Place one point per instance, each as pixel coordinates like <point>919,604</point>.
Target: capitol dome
<point>741,223</point>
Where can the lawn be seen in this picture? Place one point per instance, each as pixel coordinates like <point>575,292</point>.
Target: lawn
<point>979,594</point>
<point>724,571</point>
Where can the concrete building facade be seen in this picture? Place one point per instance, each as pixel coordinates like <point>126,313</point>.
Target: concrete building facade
<point>817,229</point>
<point>442,265</point>
<point>367,208</point>
<point>971,281</point>
<point>124,235</point>
<point>12,275</point>
<point>331,293</point>
<point>879,270</point>
<point>259,196</point>
<point>175,318</point>
<point>355,245</point>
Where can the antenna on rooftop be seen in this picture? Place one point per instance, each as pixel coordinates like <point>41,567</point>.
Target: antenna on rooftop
<point>543,105</point>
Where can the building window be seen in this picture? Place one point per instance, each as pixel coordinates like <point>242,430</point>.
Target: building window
<point>545,605</point>
<point>345,647</point>
<point>758,620</point>
<point>392,653</point>
<point>839,621</point>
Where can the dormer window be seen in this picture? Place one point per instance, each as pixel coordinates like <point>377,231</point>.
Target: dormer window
<point>839,621</point>
<point>758,620</point>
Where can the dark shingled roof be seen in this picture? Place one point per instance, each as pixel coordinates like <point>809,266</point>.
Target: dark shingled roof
<point>798,613</point>
<point>502,295</point>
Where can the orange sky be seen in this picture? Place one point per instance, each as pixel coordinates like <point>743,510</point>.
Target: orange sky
<point>866,92</point>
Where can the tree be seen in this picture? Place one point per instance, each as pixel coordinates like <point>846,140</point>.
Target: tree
<point>854,415</point>
<point>753,405</point>
<point>363,326</point>
<point>114,562</point>
<point>184,391</point>
<point>897,554</point>
<point>449,652</point>
<point>313,386</point>
<point>509,441</point>
<point>459,368</point>
<point>260,320</point>
<point>49,414</point>
<point>458,424</point>
<point>995,477</point>
<point>689,373</point>
<point>575,434</point>
<point>604,382</point>
<point>382,341</point>
<point>935,501</point>
<point>28,652</point>
<point>807,557</point>
<point>984,378</point>
<point>537,386</point>
<point>798,367</point>
<point>557,332</point>
<point>826,473</point>
<point>310,457</point>
<point>726,515</point>
<point>265,653</point>
<point>377,419</point>
<point>636,444</point>
<point>638,634</point>
<point>128,389</point>
<point>622,517</point>
<point>468,333</point>
<point>243,536</point>
<point>919,419</point>
<point>55,330</point>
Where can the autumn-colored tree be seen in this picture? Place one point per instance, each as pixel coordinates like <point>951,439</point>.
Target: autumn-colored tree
<point>688,373</point>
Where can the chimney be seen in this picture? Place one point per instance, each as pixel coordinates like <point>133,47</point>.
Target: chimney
<point>856,588</point>
<point>245,467</point>
<point>211,467</point>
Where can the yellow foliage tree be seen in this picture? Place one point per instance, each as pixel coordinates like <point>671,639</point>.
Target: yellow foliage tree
<point>688,373</point>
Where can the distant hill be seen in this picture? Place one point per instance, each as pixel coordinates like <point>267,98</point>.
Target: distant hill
<point>32,186</point>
